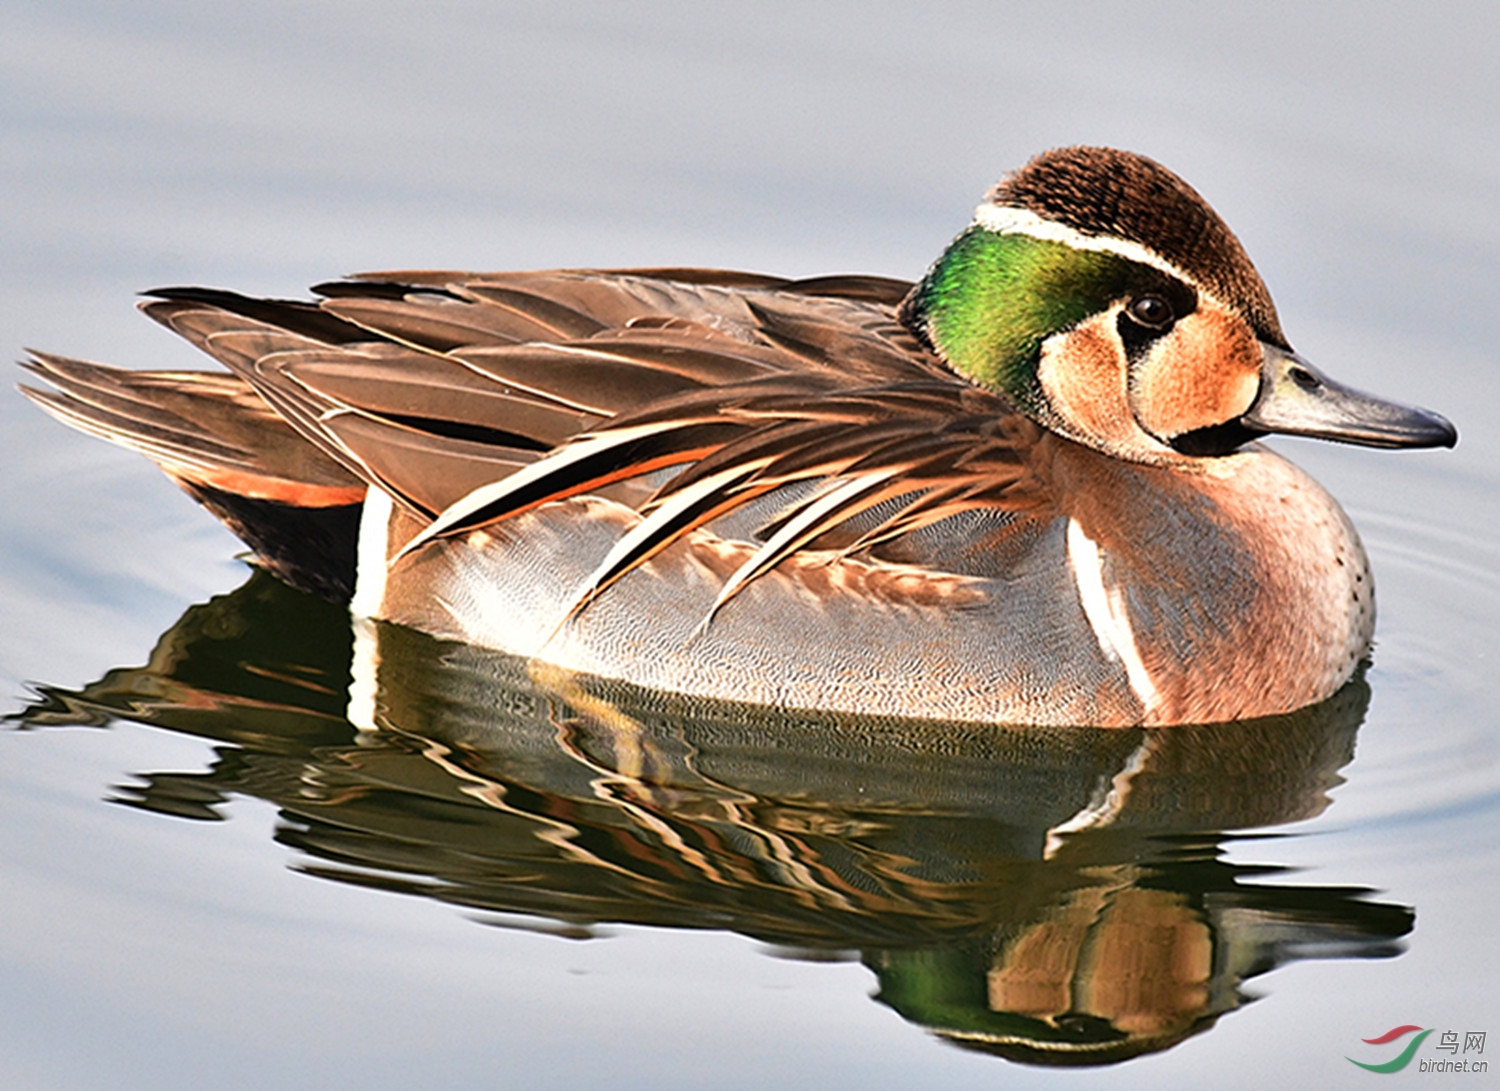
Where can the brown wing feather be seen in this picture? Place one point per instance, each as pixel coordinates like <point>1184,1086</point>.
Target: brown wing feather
<point>432,322</point>
<point>432,394</point>
<point>428,472</point>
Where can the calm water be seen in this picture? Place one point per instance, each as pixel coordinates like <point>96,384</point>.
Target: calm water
<point>208,876</point>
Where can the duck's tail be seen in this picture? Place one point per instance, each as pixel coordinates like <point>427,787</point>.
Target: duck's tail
<point>291,503</point>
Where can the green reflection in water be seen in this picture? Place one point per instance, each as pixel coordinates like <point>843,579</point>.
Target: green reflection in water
<point>1057,896</point>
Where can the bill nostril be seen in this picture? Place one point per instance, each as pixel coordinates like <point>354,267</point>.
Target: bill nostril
<point>1304,378</point>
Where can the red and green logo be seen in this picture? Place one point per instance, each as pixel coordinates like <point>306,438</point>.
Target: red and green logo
<point>1402,1059</point>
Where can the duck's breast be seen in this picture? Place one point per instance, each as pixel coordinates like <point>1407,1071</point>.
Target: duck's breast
<point>1240,583</point>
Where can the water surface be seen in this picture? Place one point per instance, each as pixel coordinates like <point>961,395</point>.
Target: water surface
<point>210,876</point>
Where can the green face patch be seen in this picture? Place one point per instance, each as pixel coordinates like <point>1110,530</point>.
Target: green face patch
<point>991,300</point>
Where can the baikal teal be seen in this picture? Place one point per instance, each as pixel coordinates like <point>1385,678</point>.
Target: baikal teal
<point>1026,490</point>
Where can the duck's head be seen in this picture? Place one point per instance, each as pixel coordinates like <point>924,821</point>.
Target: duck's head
<point>1104,297</point>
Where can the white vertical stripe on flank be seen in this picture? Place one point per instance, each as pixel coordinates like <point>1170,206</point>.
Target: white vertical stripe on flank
<point>369,564</point>
<point>369,593</point>
<point>1108,617</point>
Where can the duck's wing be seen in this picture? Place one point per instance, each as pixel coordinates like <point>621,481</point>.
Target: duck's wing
<point>744,386</point>
<point>471,398</point>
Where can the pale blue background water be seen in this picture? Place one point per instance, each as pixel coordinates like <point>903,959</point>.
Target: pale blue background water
<point>1355,149</point>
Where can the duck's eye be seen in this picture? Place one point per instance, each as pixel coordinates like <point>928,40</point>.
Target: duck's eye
<point>1151,311</point>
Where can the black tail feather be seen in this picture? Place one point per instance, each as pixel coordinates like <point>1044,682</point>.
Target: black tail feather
<point>313,549</point>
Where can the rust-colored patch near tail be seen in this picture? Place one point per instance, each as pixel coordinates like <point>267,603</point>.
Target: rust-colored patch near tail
<point>298,494</point>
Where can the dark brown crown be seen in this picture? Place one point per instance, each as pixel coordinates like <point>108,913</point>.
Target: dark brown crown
<point>1104,191</point>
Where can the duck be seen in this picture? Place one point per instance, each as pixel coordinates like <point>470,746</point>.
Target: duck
<point>1026,489</point>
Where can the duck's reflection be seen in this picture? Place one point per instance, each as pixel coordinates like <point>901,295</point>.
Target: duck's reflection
<point>1054,896</point>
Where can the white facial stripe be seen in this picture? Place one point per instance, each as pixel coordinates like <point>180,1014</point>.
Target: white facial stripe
<point>1004,220</point>
<point>1108,617</point>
